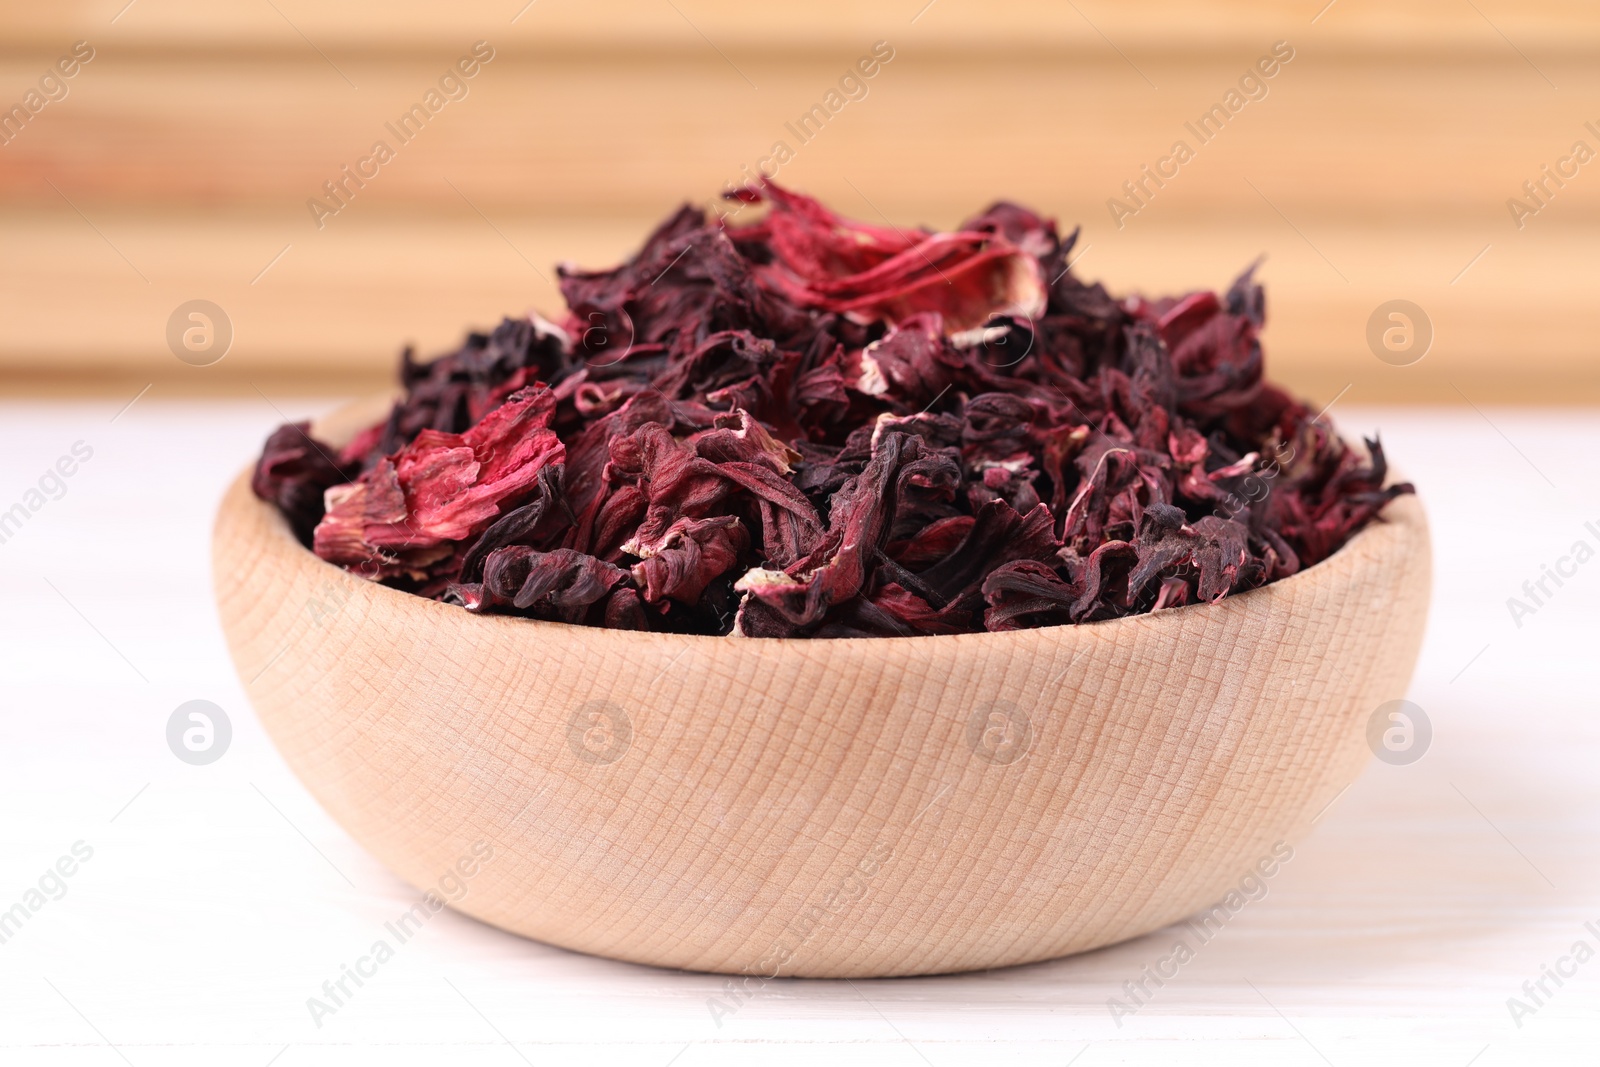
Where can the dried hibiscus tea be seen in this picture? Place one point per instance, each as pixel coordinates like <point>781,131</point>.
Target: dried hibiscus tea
<point>810,427</point>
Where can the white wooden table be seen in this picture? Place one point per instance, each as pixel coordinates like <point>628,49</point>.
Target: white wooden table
<point>219,898</point>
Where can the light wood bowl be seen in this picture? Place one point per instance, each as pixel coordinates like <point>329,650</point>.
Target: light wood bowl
<point>829,808</point>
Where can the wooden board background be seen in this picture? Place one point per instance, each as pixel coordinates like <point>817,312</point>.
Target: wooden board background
<point>1378,166</point>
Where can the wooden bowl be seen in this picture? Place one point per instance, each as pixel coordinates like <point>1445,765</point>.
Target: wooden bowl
<point>829,808</point>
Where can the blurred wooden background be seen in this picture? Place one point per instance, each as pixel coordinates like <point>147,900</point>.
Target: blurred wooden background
<point>1378,166</point>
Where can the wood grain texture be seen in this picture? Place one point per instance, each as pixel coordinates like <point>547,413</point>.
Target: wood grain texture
<point>1402,138</point>
<point>1378,166</point>
<point>611,25</point>
<point>761,807</point>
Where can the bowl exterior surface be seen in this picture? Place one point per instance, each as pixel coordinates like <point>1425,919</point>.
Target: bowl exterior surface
<point>830,808</point>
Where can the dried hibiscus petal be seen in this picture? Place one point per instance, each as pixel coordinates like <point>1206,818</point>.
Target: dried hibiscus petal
<point>294,472</point>
<point>808,426</point>
<point>885,274</point>
<point>690,556</point>
<point>439,489</point>
<point>560,586</point>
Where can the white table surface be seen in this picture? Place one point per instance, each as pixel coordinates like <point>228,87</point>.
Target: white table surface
<point>219,898</point>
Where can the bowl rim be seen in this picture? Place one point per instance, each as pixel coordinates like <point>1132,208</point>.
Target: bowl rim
<point>1403,511</point>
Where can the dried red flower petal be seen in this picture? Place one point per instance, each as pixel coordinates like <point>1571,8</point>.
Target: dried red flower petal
<point>812,427</point>
<point>410,510</point>
<point>561,586</point>
<point>294,472</point>
<point>877,274</point>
